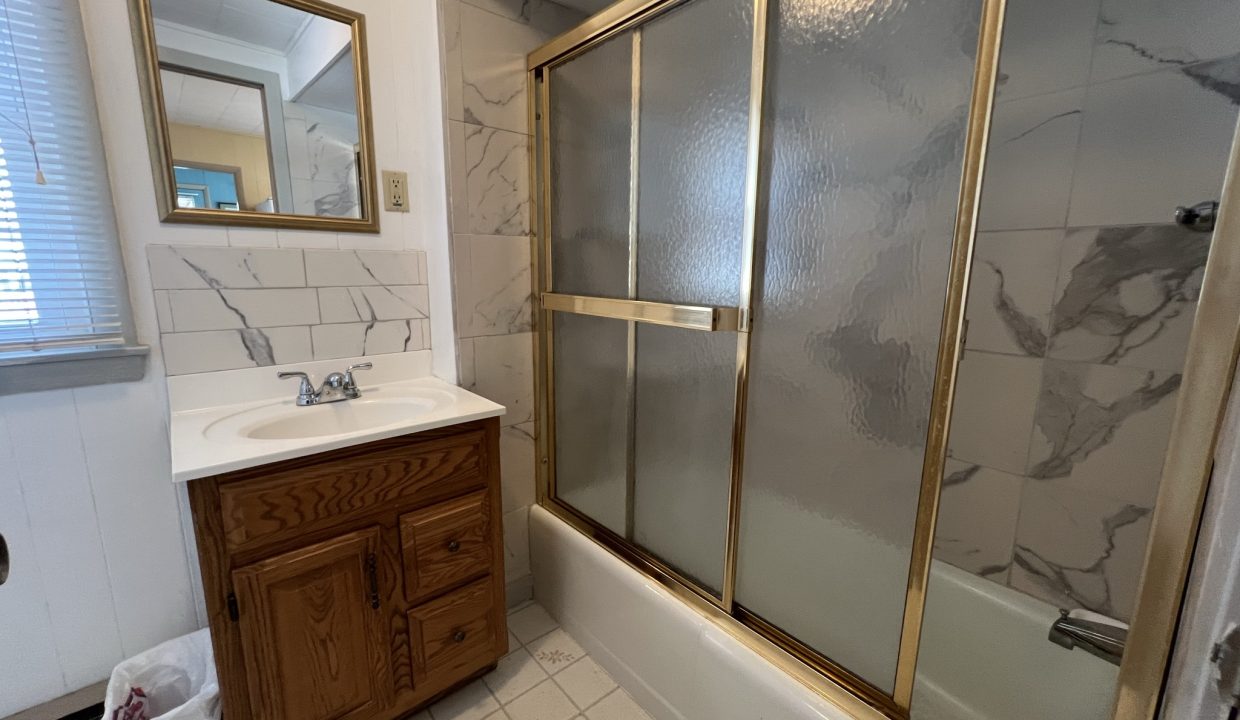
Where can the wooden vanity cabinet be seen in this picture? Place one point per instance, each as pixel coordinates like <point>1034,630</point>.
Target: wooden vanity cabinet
<point>358,583</point>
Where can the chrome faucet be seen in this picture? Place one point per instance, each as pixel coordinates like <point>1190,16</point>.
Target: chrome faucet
<point>336,386</point>
<point>1096,638</point>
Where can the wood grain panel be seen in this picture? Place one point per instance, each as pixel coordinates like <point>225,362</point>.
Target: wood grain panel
<point>446,544</point>
<point>250,522</point>
<point>286,502</point>
<point>313,632</point>
<point>453,636</point>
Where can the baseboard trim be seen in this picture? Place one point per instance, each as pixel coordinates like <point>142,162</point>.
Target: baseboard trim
<point>65,704</point>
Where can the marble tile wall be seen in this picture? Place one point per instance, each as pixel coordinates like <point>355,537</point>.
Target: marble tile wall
<point>322,161</point>
<point>485,44</point>
<point>1110,113</point>
<point>228,308</point>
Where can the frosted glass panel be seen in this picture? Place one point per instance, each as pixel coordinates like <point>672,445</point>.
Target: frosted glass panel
<point>591,416</point>
<point>591,97</point>
<point>686,384</point>
<point>867,108</point>
<point>694,119</point>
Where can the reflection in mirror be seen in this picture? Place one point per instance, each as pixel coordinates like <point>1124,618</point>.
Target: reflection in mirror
<point>260,105</point>
<point>219,143</point>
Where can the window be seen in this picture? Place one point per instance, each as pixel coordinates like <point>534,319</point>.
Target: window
<point>62,283</point>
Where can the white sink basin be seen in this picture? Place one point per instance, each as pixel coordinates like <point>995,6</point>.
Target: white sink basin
<point>287,421</point>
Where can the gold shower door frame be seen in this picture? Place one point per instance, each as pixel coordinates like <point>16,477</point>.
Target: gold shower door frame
<point>1208,374</point>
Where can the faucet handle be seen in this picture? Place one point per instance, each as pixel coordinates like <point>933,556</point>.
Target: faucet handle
<point>305,391</point>
<point>350,385</point>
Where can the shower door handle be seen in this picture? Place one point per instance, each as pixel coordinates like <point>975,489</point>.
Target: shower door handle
<point>4,560</point>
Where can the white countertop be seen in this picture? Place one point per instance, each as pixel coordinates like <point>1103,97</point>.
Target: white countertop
<point>212,412</point>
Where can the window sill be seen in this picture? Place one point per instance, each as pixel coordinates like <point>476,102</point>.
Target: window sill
<point>56,371</point>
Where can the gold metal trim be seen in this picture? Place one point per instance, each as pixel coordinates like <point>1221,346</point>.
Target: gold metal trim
<point>635,119</point>
<point>688,317</point>
<point>753,172</point>
<point>542,195</point>
<point>951,338</point>
<point>142,25</point>
<point>612,20</point>
<point>1209,371</point>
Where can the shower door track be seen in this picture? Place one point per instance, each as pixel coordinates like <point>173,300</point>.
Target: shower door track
<point>1210,365</point>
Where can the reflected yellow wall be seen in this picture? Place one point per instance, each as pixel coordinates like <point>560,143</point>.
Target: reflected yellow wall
<point>214,147</point>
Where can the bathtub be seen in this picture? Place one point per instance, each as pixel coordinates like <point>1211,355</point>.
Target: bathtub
<point>985,655</point>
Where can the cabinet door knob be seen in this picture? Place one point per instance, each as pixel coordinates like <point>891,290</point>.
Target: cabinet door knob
<point>459,636</point>
<point>454,545</point>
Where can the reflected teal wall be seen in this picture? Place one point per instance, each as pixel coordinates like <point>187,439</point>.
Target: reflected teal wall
<point>221,186</point>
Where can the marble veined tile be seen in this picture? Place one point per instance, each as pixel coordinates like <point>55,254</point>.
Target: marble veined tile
<point>977,519</point>
<point>368,338</point>
<point>382,302</point>
<point>1012,289</point>
<point>497,181</point>
<point>1047,45</point>
<point>494,292</point>
<point>1152,142</point>
<point>1029,167</point>
<point>347,268</point>
<point>993,415</point>
<point>1076,550</point>
<point>179,267</point>
<point>450,31</point>
<point>226,309</point>
<point>504,373</point>
<point>196,352</point>
<point>1127,295</point>
<point>1102,430</point>
<point>493,52</point>
<point>1135,36</point>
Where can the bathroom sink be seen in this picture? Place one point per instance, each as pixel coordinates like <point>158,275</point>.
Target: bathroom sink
<point>287,421</point>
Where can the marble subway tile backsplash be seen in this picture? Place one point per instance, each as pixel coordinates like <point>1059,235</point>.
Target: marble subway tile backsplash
<point>228,308</point>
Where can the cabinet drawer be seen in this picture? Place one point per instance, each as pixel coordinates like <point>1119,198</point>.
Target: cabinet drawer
<point>454,636</point>
<point>282,502</point>
<point>446,544</point>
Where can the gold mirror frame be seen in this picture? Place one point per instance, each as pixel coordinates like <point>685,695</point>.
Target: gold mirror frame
<point>142,23</point>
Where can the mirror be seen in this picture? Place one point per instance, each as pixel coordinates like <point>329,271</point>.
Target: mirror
<point>258,112</point>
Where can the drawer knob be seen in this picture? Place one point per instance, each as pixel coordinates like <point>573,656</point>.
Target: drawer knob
<point>459,636</point>
<point>454,545</point>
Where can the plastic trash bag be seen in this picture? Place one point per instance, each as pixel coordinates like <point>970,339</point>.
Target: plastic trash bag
<point>172,681</point>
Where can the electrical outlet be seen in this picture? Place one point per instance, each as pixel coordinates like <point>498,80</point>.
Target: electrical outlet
<point>396,191</point>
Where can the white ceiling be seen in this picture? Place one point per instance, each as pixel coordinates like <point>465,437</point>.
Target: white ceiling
<point>257,22</point>
<point>205,103</point>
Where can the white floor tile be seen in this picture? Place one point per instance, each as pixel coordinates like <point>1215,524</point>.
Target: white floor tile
<point>472,702</point>
<point>617,706</point>
<point>498,715</point>
<point>530,623</point>
<point>585,682</point>
<point>556,650</point>
<point>516,672</point>
<point>545,702</point>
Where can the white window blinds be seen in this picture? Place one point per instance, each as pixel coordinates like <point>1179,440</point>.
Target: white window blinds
<point>62,282</point>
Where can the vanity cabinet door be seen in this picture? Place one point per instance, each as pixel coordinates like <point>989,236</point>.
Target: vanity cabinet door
<point>313,631</point>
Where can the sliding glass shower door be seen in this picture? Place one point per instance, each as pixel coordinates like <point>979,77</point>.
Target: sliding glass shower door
<point>647,152</point>
<point>866,134</point>
<point>750,216</point>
